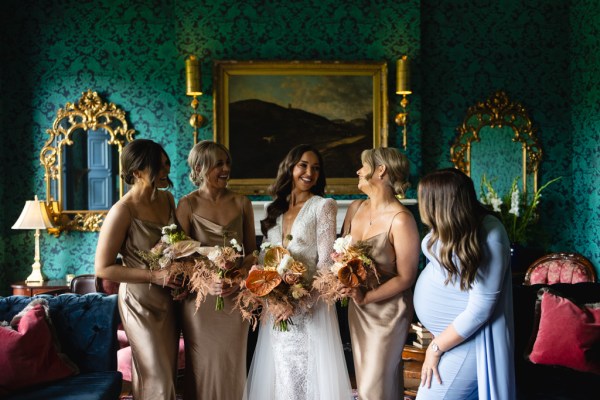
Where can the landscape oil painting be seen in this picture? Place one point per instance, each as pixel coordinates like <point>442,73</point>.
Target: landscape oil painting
<point>263,109</point>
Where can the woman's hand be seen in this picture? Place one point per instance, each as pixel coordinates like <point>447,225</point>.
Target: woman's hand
<point>182,295</point>
<point>161,277</point>
<point>222,289</point>
<point>355,293</point>
<point>430,366</point>
<point>281,313</point>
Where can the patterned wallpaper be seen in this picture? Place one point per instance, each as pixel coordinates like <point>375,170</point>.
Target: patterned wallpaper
<point>585,97</point>
<point>132,52</point>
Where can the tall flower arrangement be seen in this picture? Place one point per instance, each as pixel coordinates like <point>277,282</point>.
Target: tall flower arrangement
<point>514,210</point>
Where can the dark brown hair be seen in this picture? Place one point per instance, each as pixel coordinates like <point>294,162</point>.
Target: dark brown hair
<point>140,154</point>
<point>282,187</point>
<point>448,205</point>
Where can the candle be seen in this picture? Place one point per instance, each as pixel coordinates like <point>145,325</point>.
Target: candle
<point>192,76</point>
<point>403,76</point>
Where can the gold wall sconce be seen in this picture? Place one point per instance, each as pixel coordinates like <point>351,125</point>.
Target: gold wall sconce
<point>403,88</point>
<point>193,88</point>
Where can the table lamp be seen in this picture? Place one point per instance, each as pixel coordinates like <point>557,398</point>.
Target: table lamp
<point>34,216</point>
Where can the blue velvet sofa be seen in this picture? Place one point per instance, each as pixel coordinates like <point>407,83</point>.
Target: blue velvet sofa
<point>86,326</point>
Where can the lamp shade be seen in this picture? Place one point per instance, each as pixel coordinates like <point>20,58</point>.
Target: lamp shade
<point>192,76</point>
<point>403,76</point>
<point>33,216</point>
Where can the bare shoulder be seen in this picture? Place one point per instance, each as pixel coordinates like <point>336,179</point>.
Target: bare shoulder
<point>241,199</point>
<point>403,218</point>
<point>354,206</point>
<point>119,214</point>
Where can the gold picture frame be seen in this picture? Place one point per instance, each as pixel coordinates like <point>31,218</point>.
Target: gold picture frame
<point>264,108</point>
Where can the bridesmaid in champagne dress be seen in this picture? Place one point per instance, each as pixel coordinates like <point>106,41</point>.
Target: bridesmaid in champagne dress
<point>379,318</point>
<point>215,341</point>
<point>146,306</point>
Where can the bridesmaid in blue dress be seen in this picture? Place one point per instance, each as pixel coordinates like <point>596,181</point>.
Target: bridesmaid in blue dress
<point>464,294</point>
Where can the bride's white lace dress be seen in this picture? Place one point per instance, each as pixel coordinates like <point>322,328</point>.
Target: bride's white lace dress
<point>307,362</point>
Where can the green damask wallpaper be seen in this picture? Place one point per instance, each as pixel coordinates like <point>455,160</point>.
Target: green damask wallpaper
<point>132,52</point>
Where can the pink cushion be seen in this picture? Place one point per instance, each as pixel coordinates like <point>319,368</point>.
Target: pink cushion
<point>122,338</point>
<point>28,355</point>
<point>124,360</point>
<point>566,333</point>
<point>558,271</point>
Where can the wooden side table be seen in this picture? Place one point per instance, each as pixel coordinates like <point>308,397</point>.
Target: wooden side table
<point>32,288</point>
<point>413,358</point>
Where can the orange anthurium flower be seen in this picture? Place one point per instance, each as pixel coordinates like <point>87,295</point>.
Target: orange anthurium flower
<point>261,282</point>
<point>353,273</point>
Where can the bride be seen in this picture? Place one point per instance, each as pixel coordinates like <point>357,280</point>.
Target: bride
<point>307,361</point>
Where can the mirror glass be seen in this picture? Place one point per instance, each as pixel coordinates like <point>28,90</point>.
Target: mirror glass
<point>497,140</point>
<point>81,162</point>
<point>497,157</point>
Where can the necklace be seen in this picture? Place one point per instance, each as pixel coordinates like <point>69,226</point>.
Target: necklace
<point>371,219</point>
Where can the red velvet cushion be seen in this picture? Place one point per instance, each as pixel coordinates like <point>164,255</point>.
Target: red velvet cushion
<point>28,355</point>
<point>568,334</point>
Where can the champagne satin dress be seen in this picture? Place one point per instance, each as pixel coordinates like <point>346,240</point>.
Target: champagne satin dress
<point>215,341</point>
<point>148,313</point>
<point>379,330</point>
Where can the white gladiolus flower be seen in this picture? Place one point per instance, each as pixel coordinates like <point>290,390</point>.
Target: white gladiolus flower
<point>265,246</point>
<point>514,202</point>
<point>341,244</point>
<point>284,264</point>
<point>496,202</point>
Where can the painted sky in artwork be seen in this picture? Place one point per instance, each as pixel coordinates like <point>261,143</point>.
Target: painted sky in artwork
<point>333,97</point>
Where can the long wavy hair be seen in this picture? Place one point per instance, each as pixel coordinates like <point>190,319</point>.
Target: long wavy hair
<point>448,205</point>
<point>140,154</point>
<point>281,189</point>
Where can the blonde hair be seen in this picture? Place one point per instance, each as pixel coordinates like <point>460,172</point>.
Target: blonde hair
<point>448,205</point>
<point>396,164</point>
<point>204,155</point>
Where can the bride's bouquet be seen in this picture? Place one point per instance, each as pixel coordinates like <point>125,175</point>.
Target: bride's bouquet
<point>178,254</point>
<point>352,268</point>
<point>278,285</point>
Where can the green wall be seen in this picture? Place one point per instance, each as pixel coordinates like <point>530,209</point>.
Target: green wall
<point>132,53</point>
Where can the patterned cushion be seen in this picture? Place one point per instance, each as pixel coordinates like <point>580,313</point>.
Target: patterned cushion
<point>558,271</point>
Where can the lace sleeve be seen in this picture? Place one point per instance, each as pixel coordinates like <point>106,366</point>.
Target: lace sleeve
<point>326,232</point>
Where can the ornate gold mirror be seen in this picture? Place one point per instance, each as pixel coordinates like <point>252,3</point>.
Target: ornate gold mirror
<point>81,163</point>
<point>496,139</point>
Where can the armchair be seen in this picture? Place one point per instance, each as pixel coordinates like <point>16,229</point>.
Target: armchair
<point>560,268</point>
